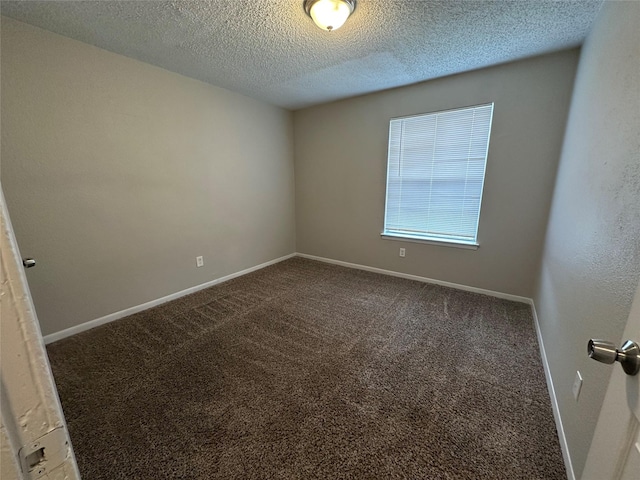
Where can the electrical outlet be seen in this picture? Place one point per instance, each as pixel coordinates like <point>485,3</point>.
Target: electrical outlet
<point>199,262</point>
<point>577,386</point>
<point>402,252</point>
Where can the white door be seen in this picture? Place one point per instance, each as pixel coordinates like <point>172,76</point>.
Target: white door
<point>615,448</point>
<point>34,443</point>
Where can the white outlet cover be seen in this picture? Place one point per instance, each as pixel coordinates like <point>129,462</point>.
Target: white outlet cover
<point>199,261</point>
<point>577,386</point>
<point>402,252</point>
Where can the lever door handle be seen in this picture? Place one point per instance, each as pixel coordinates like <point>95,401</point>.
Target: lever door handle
<point>606,352</point>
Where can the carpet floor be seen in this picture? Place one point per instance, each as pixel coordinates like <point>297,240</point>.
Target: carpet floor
<point>305,370</point>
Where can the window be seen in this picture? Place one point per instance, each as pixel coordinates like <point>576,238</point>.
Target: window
<point>435,175</point>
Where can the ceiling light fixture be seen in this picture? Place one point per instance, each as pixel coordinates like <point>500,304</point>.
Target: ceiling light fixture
<point>329,15</point>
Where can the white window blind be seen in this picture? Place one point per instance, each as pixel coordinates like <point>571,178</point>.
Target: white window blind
<point>435,174</point>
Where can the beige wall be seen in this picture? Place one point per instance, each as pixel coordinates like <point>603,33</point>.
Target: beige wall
<point>118,174</point>
<point>591,261</point>
<point>340,155</point>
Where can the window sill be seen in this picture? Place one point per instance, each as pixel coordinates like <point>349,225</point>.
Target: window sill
<point>441,243</point>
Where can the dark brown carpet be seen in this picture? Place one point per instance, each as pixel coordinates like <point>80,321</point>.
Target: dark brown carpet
<point>307,370</point>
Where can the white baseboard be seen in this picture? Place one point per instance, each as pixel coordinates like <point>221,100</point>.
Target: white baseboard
<point>554,400</point>
<point>457,286</point>
<point>53,337</point>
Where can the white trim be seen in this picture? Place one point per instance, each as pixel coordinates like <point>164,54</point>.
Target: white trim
<point>448,110</point>
<point>429,241</point>
<point>554,400</point>
<point>457,286</point>
<point>53,337</point>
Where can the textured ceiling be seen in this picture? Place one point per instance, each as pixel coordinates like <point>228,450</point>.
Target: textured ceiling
<point>270,49</point>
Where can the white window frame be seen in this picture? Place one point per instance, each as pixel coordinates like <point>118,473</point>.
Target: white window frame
<point>434,239</point>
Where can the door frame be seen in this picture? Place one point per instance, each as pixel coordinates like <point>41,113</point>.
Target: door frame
<point>34,435</point>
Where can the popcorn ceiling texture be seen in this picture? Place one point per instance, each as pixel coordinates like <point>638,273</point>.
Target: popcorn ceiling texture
<point>272,51</point>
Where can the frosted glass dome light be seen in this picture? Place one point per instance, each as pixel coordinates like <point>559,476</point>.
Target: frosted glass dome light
<point>329,15</point>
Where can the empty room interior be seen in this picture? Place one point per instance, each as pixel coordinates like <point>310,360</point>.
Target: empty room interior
<point>320,239</point>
